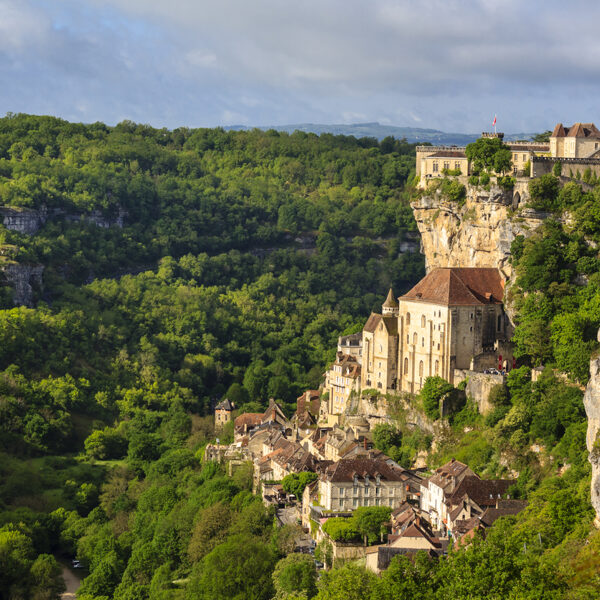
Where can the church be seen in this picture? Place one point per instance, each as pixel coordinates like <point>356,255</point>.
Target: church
<point>453,319</point>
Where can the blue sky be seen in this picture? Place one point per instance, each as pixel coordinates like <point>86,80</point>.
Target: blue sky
<point>445,64</point>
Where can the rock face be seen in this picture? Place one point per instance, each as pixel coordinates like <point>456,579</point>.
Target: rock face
<point>477,234</point>
<point>591,402</point>
<point>29,221</point>
<point>22,278</point>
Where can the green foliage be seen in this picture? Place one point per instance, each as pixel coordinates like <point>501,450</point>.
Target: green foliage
<point>543,192</point>
<point>296,573</point>
<point>294,483</point>
<point>489,154</point>
<point>433,390</point>
<point>237,569</point>
<point>350,582</point>
<point>369,521</point>
<point>385,436</point>
<point>557,169</point>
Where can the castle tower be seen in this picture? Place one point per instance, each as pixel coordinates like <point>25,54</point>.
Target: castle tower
<point>390,306</point>
<point>223,412</point>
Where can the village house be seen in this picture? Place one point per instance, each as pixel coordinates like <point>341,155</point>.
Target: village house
<point>341,381</point>
<point>350,483</point>
<point>223,412</point>
<point>351,345</point>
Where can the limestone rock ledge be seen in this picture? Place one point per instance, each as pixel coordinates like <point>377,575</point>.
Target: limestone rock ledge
<point>477,234</point>
<point>22,278</point>
<point>591,402</point>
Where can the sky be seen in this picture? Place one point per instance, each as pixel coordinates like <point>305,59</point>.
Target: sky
<point>442,64</point>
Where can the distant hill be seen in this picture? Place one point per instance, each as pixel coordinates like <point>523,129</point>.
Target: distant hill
<point>376,130</point>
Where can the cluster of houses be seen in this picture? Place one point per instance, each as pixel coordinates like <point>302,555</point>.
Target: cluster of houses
<point>427,510</point>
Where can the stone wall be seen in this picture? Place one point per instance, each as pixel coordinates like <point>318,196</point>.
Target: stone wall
<point>479,386</point>
<point>541,165</point>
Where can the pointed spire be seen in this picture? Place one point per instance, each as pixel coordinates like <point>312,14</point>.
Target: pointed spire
<point>390,301</point>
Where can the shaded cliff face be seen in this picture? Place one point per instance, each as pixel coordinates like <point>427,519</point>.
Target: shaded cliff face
<point>477,234</point>
<point>591,402</point>
<point>22,278</point>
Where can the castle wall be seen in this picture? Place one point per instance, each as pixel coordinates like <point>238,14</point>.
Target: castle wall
<point>542,165</point>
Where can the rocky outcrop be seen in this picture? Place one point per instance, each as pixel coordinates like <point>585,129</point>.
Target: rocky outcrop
<point>23,220</point>
<point>29,221</point>
<point>591,402</point>
<point>23,278</point>
<point>477,233</point>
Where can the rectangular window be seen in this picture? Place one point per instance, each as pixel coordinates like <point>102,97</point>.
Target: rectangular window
<point>342,503</point>
<point>376,501</point>
<point>446,166</point>
<point>457,165</point>
<point>377,491</point>
<point>524,157</point>
<point>341,491</point>
<point>355,502</point>
<point>435,167</point>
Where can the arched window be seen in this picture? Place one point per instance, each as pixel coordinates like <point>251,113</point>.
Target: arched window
<point>406,366</point>
<point>420,368</point>
<point>423,321</point>
<point>407,338</point>
<point>423,341</point>
<point>408,318</point>
<point>415,337</point>
<point>437,366</point>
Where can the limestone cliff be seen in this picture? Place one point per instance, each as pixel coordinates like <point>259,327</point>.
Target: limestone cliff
<point>477,233</point>
<point>22,278</point>
<point>591,402</point>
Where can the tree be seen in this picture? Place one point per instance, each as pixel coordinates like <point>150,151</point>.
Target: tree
<point>294,483</point>
<point>407,578</point>
<point>543,192</point>
<point>238,569</point>
<point>296,573</point>
<point>210,530</point>
<point>46,578</point>
<point>433,390</point>
<point>369,521</point>
<point>385,436</point>
<point>489,154</point>
<point>350,582</point>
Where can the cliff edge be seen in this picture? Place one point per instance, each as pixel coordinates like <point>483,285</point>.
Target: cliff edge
<point>475,233</point>
<point>591,402</point>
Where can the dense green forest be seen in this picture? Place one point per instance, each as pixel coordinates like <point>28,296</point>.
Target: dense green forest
<point>242,257</point>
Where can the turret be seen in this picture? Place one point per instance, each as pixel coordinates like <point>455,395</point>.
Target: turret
<point>390,306</point>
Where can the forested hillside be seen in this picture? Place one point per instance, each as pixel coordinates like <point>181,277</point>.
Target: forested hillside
<point>242,257</point>
<point>253,252</point>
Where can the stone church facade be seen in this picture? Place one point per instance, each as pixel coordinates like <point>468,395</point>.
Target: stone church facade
<point>452,319</point>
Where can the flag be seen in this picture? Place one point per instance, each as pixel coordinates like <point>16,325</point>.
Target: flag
<point>494,123</point>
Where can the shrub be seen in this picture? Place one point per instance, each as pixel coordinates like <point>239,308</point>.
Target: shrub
<point>432,392</point>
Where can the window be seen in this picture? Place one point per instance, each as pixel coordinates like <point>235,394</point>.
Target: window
<point>408,318</point>
<point>515,157</point>
<point>406,366</point>
<point>437,366</point>
<point>435,167</point>
<point>457,164</point>
<point>341,491</point>
<point>408,338</point>
<point>446,165</point>
<point>471,315</point>
<point>524,157</point>
<point>415,337</point>
<point>377,491</point>
<point>342,503</point>
<point>423,321</point>
<point>392,491</point>
<point>423,341</point>
<point>420,368</point>
<point>499,325</point>
<point>355,502</point>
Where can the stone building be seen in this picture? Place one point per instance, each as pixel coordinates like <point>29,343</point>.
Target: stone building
<point>342,379</point>
<point>581,140</point>
<point>223,412</point>
<point>380,348</point>
<point>350,483</point>
<point>452,319</point>
<point>352,345</point>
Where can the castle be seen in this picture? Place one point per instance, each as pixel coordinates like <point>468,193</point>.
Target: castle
<point>576,147</point>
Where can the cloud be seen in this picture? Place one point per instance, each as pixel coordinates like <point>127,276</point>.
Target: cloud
<point>439,63</point>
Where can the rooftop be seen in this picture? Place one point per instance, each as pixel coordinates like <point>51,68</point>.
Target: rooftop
<point>453,286</point>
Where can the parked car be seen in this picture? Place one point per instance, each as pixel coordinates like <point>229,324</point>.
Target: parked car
<point>76,564</point>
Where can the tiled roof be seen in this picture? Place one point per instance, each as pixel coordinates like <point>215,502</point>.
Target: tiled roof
<point>448,154</point>
<point>390,322</point>
<point>248,420</point>
<point>484,492</point>
<point>579,130</point>
<point>459,287</point>
<point>225,404</point>
<point>345,469</point>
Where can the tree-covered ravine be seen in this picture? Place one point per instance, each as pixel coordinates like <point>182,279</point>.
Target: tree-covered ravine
<point>241,258</point>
